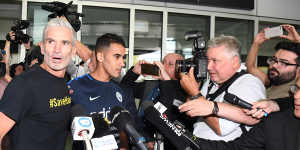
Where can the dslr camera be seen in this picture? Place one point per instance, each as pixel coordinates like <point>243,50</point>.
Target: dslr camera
<point>61,9</point>
<point>199,59</point>
<point>20,37</point>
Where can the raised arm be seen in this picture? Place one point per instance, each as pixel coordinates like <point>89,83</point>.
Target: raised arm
<point>82,51</point>
<point>251,58</point>
<point>292,33</point>
<point>7,77</point>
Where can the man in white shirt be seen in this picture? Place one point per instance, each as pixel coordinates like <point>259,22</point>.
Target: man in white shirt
<point>221,120</point>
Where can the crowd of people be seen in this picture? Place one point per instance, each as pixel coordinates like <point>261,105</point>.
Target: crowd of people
<point>36,100</point>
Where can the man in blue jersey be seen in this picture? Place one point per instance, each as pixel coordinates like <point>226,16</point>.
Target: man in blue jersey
<point>96,92</point>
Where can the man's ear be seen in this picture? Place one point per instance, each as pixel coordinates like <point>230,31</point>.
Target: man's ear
<point>236,61</point>
<point>297,72</point>
<point>42,46</point>
<point>100,56</point>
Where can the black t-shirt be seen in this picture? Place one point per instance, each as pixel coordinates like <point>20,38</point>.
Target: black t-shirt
<point>40,105</point>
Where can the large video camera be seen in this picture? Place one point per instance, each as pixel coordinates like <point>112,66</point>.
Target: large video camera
<point>199,59</point>
<point>20,37</point>
<point>61,9</point>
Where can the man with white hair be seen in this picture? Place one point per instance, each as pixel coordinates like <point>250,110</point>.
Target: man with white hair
<point>37,117</point>
<point>221,120</point>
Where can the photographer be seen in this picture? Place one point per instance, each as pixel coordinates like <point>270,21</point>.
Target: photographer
<point>153,90</point>
<point>220,120</point>
<point>283,68</point>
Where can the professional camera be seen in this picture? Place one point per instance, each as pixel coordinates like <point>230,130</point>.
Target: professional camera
<point>20,37</point>
<point>199,59</point>
<point>61,9</point>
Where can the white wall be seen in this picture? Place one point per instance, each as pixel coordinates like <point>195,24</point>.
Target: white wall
<point>286,9</point>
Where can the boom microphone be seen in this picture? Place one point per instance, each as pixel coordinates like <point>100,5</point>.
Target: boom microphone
<point>232,99</point>
<point>123,121</point>
<point>178,136</point>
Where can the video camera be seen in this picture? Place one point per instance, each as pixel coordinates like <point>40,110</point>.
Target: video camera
<point>61,9</point>
<point>199,59</point>
<point>20,37</point>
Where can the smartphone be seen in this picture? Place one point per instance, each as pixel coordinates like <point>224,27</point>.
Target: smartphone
<point>150,69</point>
<point>273,32</point>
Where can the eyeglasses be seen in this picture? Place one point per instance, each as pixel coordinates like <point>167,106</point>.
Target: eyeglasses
<point>283,63</point>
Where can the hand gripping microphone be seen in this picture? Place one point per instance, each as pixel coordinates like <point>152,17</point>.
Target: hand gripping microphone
<point>178,136</point>
<point>123,121</point>
<point>232,99</point>
<point>105,136</point>
<point>82,126</point>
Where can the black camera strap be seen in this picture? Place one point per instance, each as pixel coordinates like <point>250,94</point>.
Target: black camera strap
<point>224,86</point>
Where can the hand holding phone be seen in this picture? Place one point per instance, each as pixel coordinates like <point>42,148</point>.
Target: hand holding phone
<point>273,32</point>
<point>150,69</point>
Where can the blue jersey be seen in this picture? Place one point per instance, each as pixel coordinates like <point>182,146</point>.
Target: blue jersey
<point>96,96</point>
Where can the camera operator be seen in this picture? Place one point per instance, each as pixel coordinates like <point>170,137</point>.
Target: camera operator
<point>220,120</point>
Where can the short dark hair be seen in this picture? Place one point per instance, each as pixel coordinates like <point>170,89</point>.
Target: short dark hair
<point>290,46</point>
<point>105,40</point>
<point>12,68</point>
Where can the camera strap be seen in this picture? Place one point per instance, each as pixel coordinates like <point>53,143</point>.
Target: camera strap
<point>223,87</point>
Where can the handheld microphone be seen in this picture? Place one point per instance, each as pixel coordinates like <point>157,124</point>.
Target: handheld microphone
<point>124,122</point>
<point>105,136</point>
<point>232,99</point>
<point>82,126</point>
<point>174,131</point>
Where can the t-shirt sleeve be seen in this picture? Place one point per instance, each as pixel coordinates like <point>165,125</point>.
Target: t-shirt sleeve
<point>249,89</point>
<point>16,101</point>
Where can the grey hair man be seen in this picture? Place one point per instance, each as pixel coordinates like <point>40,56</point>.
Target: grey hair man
<point>38,116</point>
<point>221,120</point>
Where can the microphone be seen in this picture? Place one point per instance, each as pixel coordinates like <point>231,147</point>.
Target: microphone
<point>105,136</point>
<point>82,126</point>
<point>174,131</point>
<point>232,99</point>
<point>121,119</point>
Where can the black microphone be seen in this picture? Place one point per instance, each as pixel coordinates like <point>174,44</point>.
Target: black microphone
<point>104,129</point>
<point>232,99</point>
<point>178,136</point>
<point>121,118</point>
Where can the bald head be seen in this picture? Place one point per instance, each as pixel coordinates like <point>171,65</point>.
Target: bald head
<point>169,63</point>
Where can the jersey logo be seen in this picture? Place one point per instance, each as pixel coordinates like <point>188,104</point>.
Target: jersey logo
<point>119,96</point>
<point>93,98</point>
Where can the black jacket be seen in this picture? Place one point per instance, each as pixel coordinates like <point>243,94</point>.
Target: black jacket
<point>280,131</point>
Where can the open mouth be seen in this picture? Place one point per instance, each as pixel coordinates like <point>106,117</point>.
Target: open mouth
<point>57,59</point>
